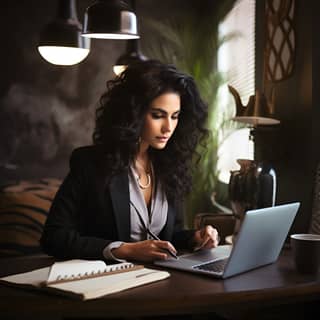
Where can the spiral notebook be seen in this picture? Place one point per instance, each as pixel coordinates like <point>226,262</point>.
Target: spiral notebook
<point>86,279</point>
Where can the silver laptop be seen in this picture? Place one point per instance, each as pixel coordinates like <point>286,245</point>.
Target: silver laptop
<point>259,242</point>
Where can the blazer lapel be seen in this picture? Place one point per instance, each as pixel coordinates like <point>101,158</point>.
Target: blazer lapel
<point>119,192</point>
<point>167,231</point>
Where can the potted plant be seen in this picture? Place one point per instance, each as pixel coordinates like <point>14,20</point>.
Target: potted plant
<point>191,42</point>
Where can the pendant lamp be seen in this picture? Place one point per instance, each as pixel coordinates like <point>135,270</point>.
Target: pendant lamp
<point>61,42</point>
<point>131,55</point>
<point>110,19</point>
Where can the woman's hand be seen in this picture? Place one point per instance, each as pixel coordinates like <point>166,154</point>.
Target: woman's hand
<point>206,238</point>
<point>147,250</point>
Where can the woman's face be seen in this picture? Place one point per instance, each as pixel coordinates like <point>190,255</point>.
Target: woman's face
<point>161,120</point>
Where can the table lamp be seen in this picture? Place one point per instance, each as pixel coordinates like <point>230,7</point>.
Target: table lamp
<point>254,184</point>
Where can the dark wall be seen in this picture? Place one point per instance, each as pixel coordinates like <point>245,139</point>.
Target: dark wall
<point>316,82</point>
<point>48,110</point>
<point>292,147</point>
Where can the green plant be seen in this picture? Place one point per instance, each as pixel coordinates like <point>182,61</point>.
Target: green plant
<point>190,41</point>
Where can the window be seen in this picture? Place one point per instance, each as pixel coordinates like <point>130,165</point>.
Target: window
<point>236,60</point>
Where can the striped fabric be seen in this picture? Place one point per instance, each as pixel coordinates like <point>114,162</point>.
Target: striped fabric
<point>23,211</point>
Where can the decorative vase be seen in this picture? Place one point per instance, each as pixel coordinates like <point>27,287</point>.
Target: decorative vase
<point>253,186</point>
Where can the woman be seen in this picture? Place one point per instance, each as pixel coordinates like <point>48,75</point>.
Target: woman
<point>126,190</point>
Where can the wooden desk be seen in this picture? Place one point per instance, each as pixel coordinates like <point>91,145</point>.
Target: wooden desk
<point>183,293</point>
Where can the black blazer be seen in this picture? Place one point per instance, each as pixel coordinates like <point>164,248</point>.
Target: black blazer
<point>87,213</point>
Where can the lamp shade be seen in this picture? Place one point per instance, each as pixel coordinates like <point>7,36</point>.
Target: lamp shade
<point>61,42</point>
<point>131,55</point>
<point>258,111</point>
<point>110,19</point>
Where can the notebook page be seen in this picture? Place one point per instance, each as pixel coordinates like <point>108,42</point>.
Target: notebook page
<point>75,268</point>
<point>33,278</point>
<point>90,288</point>
<point>97,287</point>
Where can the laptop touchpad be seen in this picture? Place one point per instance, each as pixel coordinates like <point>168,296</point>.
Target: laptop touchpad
<point>195,258</point>
<point>208,254</point>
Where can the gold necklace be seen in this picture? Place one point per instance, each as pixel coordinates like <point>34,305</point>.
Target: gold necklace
<point>147,185</point>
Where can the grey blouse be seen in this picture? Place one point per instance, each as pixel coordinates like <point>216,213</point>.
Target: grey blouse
<point>155,219</point>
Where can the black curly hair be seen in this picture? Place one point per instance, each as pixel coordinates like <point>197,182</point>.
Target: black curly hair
<point>120,119</point>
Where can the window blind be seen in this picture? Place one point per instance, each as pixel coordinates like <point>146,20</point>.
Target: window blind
<point>236,57</point>
<point>236,60</point>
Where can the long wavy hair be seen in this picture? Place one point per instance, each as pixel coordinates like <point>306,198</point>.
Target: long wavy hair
<point>120,119</point>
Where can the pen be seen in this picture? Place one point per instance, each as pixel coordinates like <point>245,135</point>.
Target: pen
<point>157,238</point>
<point>153,236</point>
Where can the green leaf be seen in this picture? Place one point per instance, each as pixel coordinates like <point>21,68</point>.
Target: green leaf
<point>191,42</point>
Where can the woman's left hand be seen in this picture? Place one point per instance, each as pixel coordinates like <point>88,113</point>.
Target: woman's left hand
<point>206,238</point>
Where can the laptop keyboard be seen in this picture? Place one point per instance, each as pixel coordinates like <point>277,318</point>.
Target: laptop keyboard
<point>215,266</point>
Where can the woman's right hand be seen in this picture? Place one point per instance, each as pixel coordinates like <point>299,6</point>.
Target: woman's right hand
<point>147,250</point>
